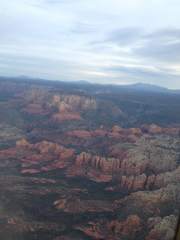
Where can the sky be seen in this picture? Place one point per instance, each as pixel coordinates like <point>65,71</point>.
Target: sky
<point>102,41</point>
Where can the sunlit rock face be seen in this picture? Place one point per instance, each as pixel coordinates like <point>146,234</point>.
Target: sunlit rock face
<point>70,107</point>
<point>79,163</point>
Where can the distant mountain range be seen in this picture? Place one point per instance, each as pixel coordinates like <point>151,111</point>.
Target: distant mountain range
<point>148,87</point>
<point>143,87</point>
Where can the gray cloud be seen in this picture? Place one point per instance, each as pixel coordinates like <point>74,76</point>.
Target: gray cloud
<point>167,33</point>
<point>144,74</point>
<point>125,36</point>
<point>163,45</point>
<point>163,51</point>
<point>100,41</point>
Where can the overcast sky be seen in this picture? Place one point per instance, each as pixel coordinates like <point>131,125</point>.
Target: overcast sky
<point>104,41</point>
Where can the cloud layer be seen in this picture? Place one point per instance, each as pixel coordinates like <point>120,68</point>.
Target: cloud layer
<point>104,41</point>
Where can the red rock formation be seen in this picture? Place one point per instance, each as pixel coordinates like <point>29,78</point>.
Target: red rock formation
<point>155,129</point>
<point>76,205</point>
<point>143,182</point>
<point>114,229</point>
<point>8,153</point>
<point>35,109</point>
<point>115,135</point>
<point>30,171</point>
<point>172,131</point>
<point>67,238</point>
<point>53,155</point>
<point>129,135</point>
<point>22,143</point>
<point>152,129</point>
<point>80,134</point>
<point>88,134</point>
<point>117,129</point>
<point>75,102</point>
<point>100,163</point>
<point>61,117</point>
<point>128,227</point>
<point>135,131</point>
<point>98,168</point>
<point>99,133</point>
<point>70,106</point>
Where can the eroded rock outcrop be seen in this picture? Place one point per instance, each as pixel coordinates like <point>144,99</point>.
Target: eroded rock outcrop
<point>76,205</point>
<point>95,167</point>
<point>114,229</point>
<point>80,134</point>
<point>36,109</point>
<point>69,107</point>
<point>69,116</point>
<point>76,102</point>
<point>155,129</point>
<point>145,182</point>
<point>129,135</point>
<point>144,165</point>
<point>76,173</point>
<point>43,156</point>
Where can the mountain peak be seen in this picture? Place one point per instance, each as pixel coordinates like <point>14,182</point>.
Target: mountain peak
<point>148,87</point>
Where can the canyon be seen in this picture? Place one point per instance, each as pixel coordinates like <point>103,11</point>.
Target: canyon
<point>79,163</point>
